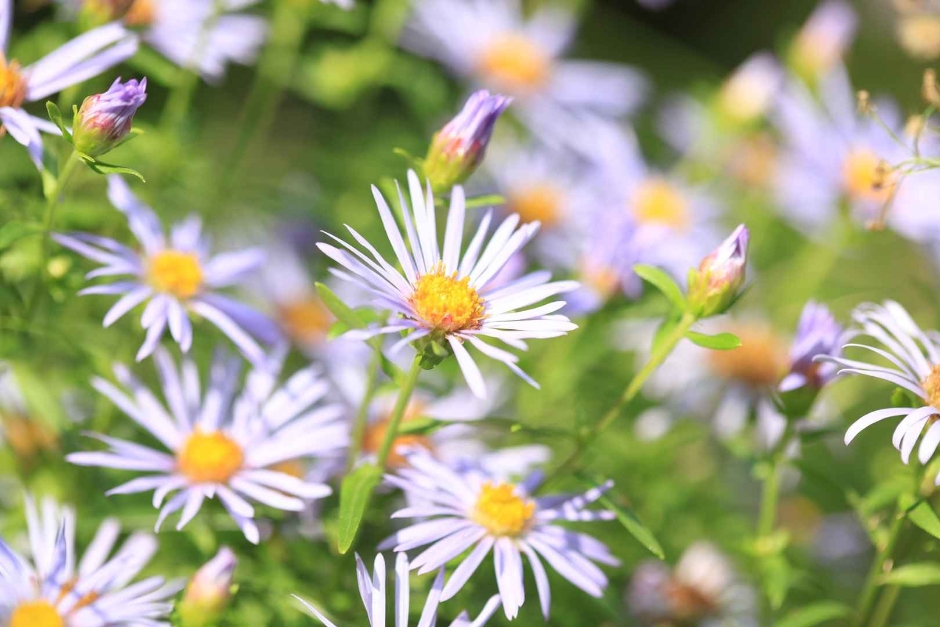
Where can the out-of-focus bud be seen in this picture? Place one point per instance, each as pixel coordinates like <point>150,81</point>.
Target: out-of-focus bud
<point>98,12</point>
<point>104,120</point>
<point>818,335</point>
<point>750,90</point>
<point>929,89</point>
<point>458,148</point>
<point>716,282</point>
<point>209,591</point>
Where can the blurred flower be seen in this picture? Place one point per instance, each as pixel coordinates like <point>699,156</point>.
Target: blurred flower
<point>209,590</point>
<point>749,92</point>
<point>27,435</point>
<point>50,591</point>
<point>200,33</point>
<point>177,278</point>
<point>470,508</point>
<point>821,44</point>
<point>491,43</point>
<point>919,35</point>
<point>372,591</point>
<point>915,367</point>
<point>817,334</point>
<point>448,299</point>
<point>82,58</point>
<point>104,120</point>
<point>701,588</point>
<point>458,149</point>
<point>224,444</point>
<point>718,279</point>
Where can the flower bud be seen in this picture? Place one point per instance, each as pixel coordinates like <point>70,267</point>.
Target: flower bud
<point>104,120</point>
<point>209,590</point>
<point>458,148</point>
<point>715,284</point>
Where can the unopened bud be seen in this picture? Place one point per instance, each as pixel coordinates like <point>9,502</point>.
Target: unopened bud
<point>458,149</point>
<point>716,282</point>
<point>104,120</point>
<point>929,90</point>
<point>209,590</point>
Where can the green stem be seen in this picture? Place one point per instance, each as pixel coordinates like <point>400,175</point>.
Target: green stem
<point>401,404</point>
<point>362,415</point>
<point>882,613</point>
<point>636,384</point>
<point>867,597</point>
<point>770,493</point>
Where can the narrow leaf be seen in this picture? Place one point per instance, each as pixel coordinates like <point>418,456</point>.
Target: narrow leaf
<point>56,116</point>
<point>913,575</point>
<point>719,342</point>
<point>485,201</point>
<point>663,282</point>
<point>630,521</point>
<point>924,516</point>
<point>108,168</point>
<point>354,497</point>
<point>338,308</point>
<point>814,614</point>
<point>11,232</point>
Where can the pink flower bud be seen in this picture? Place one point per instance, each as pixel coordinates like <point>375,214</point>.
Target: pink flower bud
<point>715,285</point>
<point>209,590</point>
<point>104,120</point>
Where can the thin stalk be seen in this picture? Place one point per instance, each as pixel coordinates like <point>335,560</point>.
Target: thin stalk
<point>401,404</point>
<point>362,415</point>
<point>870,590</point>
<point>882,613</point>
<point>770,493</point>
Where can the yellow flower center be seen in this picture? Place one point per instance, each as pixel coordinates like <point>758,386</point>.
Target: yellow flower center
<point>502,511</point>
<point>516,63</point>
<point>447,303</point>
<point>12,84</point>
<point>306,320</point>
<point>538,203</point>
<point>602,279</point>
<point>177,273</point>
<point>932,387</point>
<point>36,614</point>
<point>658,202</point>
<point>754,161</point>
<point>760,361</point>
<point>210,457</point>
<point>866,177</point>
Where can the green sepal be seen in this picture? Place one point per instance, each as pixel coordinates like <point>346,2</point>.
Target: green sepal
<point>55,115</point>
<point>101,167</point>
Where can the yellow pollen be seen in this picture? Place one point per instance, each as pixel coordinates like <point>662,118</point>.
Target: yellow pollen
<point>865,176</point>
<point>502,511</point>
<point>538,203</point>
<point>211,457</point>
<point>36,614</point>
<point>760,361</point>
<point>12,84</point>
<point>177,273</point>
<point>306,320</point>
<point>446,303</point>
<point>657,202</point>
<point>932,387</point>
<point>516,63</point>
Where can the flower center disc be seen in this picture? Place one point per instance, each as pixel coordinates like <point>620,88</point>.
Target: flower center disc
<point>141,13</point>
<point>177,273</point>
<point>657,202</point>
<point>375,435</point>
<point>306,320</point>
<point>447,303</point>
<point>36,614</point>
<point>760,361</point>
<point>932,387</point>
<point>12,84</point>
<point>538,203</point>
<point>864,178</point>
<point>502,511</point>
<point>210,457</point>
<point>516,63</point>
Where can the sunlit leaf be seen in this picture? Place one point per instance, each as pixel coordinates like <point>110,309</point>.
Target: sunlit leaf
<point>719,342</point>
<point>354,496</point>
<point>663,282</point>
<point>913,575</point>
<point>814,614</point>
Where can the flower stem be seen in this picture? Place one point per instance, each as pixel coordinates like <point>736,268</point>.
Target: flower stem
<point>362,415</point>
<point>401,404</point>
<point>882,613</point>
<point>869,591</point>
<point>770,492</point>
<point>656,359</point>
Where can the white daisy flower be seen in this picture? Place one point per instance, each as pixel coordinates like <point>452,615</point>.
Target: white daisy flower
<point>49,590</point>
<point>443,296</point>
<point>914,358</point>
<point>372,590</point>
<point>175,276</point>
<point>221,444</point>
<point>470,509</point>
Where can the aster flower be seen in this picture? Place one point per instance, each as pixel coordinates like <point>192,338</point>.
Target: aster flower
<point>104,120</point>
<point>448,298</point>
<point>221,444</point>
<point>175,278</point>
<point>493,45</point>
<point>817,334</point>
<point>49,590</point>
<point>82,58</point>
<point>207,34</point>
<point>822,43</point>
<point>470,509</point>
<point>914,358</point>
<point>372,590</point>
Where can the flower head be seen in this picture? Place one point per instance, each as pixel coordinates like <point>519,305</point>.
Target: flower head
<point>817,334</point>
<point>716,283</point>
<point>822,42</point>
<point>104,120</point>
<point>467,508</point>
<point>442,296</point>
<point>223,444</point>
<point>175,276</point>
<point>49,590</point>
<point>458,149</point>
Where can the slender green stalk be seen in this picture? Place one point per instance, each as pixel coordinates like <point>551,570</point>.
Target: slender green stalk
<point>401,404</point>
<point>882,613</point>
<point>870,589</point>
<point>636,384</point>
<point>362,415</point>
<point>770,492</point>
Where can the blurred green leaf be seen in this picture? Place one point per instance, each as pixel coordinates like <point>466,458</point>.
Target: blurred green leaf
<point>814,614</point>
<point>913,575</point>
<point>56,116</point>
<point>12,232</point>
<point>924,516</point>
<point>338,308</point>
<point>628,519</point>
<point>354,496</point>
<point>719,342</point>
<point>485,201</point>
<point>663,282</point>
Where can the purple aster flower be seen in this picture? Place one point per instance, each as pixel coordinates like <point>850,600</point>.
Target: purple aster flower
<point>175,276</point>
<point>82,58</point>
<point>104,120</point>
<point>817,333</point>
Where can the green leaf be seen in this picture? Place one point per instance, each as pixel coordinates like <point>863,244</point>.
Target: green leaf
<point>924,516</point>
<point>108,168</point>
<point>354,497</point>
<point>913,575</point>
<point>11,232</point>
<point>421,426</point>
<point>719,342</point>
<point>338,308</point>
<point>629,520</point>
<point>814,614</point>
<point>392,371</point>
<point>485,201</point>
<point>56,116</point>
<point>663,282</point>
